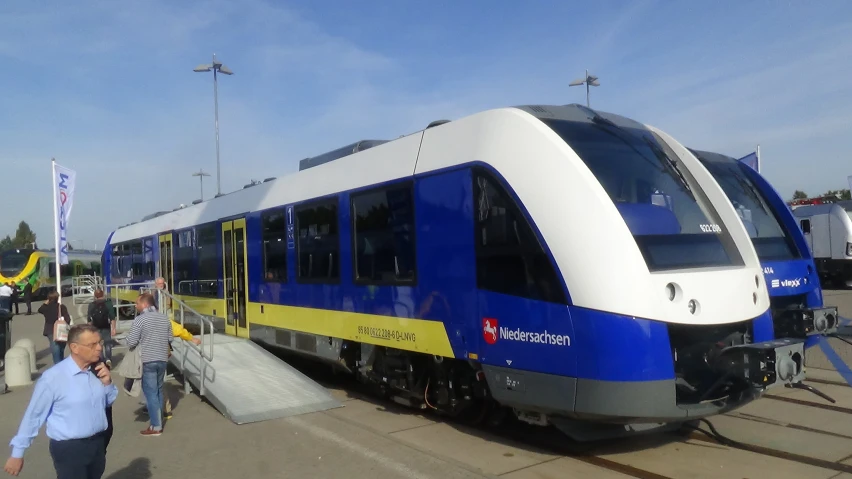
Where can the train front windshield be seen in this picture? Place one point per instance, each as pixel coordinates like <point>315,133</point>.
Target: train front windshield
<point>672,221</point>
<point>770,238</point>
<point>12,262</point>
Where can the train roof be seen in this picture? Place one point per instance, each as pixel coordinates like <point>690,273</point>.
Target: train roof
<point>821,209</point>
<point>358,164</point>
<point>711,157</point>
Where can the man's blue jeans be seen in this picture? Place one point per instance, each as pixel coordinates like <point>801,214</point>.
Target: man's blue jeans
<point>153,375</point>
<point>57,350</point>
<point>106,335</point>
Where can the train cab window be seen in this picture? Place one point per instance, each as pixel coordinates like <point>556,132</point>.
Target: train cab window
<point>383,235</point>
<point>13,261</point>
<point>509,257</point>
<point>673,222</point>
<point>209,262</point>
<point>318,246</point>
<point>806,226</point>
<point>274,246</point>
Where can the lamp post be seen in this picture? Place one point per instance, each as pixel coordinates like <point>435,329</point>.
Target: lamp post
<point>201,174</point>
<point>588,80</point>
<point>216,67</point>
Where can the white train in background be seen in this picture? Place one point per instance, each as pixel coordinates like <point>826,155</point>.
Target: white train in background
<point>828,231</point>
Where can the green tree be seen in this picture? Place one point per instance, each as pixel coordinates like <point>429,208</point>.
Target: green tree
<point>24,236</point>
<point>6,243</point>
<point>843,194</point>
<point>799,195</point>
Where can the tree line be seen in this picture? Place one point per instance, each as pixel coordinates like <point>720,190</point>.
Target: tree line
<point>843,194</point>
<point>25,238</point>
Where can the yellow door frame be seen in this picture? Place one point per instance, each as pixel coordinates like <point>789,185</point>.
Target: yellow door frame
<point>167,268</point>
<point>236,320</point>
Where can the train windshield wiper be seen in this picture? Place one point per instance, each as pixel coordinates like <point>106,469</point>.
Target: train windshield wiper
<point>670,163</point>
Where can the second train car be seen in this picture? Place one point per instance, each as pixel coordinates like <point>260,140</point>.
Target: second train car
<point>575,267</point>
<point>797,304</point>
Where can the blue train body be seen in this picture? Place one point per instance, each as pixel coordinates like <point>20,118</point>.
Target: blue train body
<point>788,265</point>
<point>503,320</point>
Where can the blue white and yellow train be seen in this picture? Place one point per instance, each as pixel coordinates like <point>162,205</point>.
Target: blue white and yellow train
<point>795,294</point>
<point>575,267</point>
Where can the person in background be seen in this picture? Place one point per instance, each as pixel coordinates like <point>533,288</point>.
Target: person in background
<point>101,314</point>
<point>71,397</point>
<point>51,309</point>
<point>6,297</point>
<point>178,331</point>
<point>16,294</point>
<point>161,302</point>
<point>151,332</point>
<point>28,297</point>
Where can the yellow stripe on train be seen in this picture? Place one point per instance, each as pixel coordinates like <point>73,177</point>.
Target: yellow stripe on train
<point>423,336</point>
<point>28,270</point>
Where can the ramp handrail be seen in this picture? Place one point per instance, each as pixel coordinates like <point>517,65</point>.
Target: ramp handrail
<point>206,337</point>
<point>147,287</point>
<point>207,328</point>
<point>204,320</point>
<point>83,282</point>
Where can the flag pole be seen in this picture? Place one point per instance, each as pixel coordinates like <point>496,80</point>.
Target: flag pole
<point>56,228</point>
<point>758,157</point>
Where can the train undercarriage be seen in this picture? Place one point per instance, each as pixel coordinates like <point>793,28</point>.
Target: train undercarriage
<point>713,376</point>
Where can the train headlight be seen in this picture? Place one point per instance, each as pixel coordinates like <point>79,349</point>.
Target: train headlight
<point>848,249</point>
<point>670,290</point>
<point>693,306</point>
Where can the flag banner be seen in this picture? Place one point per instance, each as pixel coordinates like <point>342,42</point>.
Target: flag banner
<point>751,161</point>
<point>63,187</point>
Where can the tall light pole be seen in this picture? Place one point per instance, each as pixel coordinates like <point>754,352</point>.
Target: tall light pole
<point>589,80</point>
<point>217,67</point>
<point>201,174</point>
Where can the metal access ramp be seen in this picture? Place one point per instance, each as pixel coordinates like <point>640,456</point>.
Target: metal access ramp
<point>247,384</point>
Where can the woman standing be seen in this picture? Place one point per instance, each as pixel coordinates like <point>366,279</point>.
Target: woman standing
<point>51,311</point>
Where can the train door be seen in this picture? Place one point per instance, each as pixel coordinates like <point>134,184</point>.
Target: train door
<point>805,226</point>
<point>166,263</point>
<point>236,279</point>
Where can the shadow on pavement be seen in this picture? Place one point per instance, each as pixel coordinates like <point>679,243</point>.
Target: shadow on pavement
<point>139,468</point>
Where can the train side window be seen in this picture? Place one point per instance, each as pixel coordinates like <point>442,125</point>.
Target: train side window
<point>509,257</point>
<point>383,235</point>
<point>207,254</point>
<point>274,246</point>
<point>318,246</point>
<point>183,257</point>
<point>806,226</point>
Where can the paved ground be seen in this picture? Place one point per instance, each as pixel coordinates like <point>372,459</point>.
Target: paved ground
<point>801,436</point>
<point>843,300</point>
<point>199,442</point>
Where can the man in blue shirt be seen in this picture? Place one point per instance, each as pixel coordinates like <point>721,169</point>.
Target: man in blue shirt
<point>72,397</point>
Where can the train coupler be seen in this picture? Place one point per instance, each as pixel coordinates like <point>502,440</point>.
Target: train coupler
<point>766,364</point>
<point>804,322</point>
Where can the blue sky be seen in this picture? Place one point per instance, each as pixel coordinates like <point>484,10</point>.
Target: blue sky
<point>107,88</point>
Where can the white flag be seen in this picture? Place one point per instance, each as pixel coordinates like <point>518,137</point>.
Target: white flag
<point>63,191</point>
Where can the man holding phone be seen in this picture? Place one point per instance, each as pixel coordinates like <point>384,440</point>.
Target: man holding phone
<point>71,397</point>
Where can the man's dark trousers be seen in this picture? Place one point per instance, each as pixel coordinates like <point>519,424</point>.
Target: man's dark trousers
<point>79,458</point>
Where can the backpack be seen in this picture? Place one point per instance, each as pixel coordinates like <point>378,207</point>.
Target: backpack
<point>100,316</point>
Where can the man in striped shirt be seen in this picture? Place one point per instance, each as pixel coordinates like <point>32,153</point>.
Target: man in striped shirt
<point>151,331</point>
